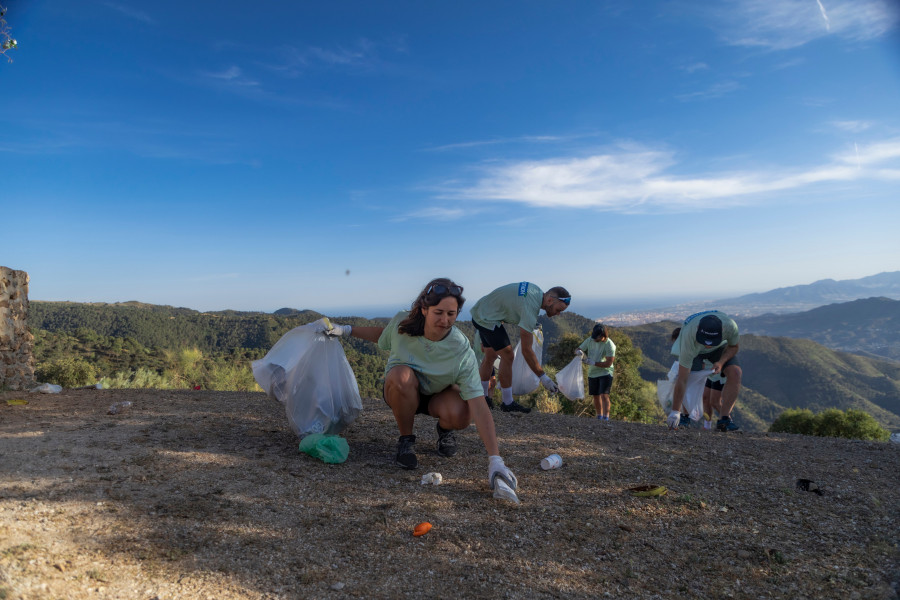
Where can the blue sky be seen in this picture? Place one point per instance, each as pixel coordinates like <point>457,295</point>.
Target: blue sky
<point>337,155</point>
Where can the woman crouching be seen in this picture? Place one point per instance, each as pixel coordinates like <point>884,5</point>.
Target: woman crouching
<point>432,370</point>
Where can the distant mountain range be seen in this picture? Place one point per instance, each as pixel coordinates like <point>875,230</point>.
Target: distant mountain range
<point>870,327</point>
<point>792,299</point>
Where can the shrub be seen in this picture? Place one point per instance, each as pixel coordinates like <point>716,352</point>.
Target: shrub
<point>67,372</point>
<point>143,378</point>
<point>795,420</point>
<point>832,422</point>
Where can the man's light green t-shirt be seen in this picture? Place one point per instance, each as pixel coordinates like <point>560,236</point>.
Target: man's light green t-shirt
<point>598,352</point>
<point>515,303</point>
<point>689,347</point>
<point>437,364</point>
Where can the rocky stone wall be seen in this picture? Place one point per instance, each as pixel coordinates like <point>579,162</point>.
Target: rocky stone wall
<point>16,342</point>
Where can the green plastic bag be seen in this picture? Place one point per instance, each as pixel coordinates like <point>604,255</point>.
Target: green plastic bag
<point>328,448</point>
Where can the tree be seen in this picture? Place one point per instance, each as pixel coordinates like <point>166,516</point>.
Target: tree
<point>633,399</point>
<point>67,372</point>
<point>7,42</point>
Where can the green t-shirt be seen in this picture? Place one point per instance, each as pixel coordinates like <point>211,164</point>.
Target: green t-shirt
<point>437,364</point>
<point>515,303</point>
<point>689,347</point>
<point>598,352</point>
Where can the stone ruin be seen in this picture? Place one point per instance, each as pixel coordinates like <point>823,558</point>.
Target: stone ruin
<point>16,342</point>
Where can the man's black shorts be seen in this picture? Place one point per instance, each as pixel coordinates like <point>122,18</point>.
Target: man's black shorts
<point>495,338</point>
<point>599,385</point>
<point>715,385</point>
<point>717,354</point>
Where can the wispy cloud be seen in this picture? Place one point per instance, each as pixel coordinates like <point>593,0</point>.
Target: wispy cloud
<point>361,55</point>
<point>511,140</point>
<point>714,91</point>
<point>824,16</point>
<point>784,24</point>
<point>694,67</point>
<point>631,179</point>
<point>436,214</point>
<point>233,76</point>
<point>131,13</point>
<point>852,126</point>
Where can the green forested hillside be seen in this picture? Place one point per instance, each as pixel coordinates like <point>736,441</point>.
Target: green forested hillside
<point>779,373</point>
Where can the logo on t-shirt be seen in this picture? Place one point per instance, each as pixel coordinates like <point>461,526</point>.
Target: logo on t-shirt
<point>523,288</point>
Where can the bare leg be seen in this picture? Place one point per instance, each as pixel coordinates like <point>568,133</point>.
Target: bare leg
<point>506,360</point>
<point>730,391</point>
<point>487,364</point>
<point>605,404</point>
<point>401,392</point>
<point>598,406</point>
<point>451,411</point>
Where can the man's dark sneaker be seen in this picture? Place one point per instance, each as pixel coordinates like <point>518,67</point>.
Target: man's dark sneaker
<point>514,407</point>
<point>685,421</point>
<point>726,424</point>
<point>446,444</point>
<point>490,402</point>
<point>406,452</point>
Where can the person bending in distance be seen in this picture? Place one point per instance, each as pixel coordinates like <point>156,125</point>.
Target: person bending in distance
<point>713,336</point>
<point>516,304</point>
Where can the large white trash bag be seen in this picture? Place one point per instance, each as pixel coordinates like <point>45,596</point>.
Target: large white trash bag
<point>309,373</point>
<point>693,394</point>
<point>571,380</point>
<point>524,381</point>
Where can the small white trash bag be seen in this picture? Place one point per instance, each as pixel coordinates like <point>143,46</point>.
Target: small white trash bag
<point>309,373</point>
<point>571,380</point>
<point>693,394</point>
<point>524,381</point>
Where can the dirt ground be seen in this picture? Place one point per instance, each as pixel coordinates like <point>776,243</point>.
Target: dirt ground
<point>195,494</point>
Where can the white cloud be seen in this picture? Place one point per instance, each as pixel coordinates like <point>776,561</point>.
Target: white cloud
<point>714,91</point>
<point>360,55</point>
<point>852,126</point>
<point>631,179</point>
<point>784,24</point>
<point>131,13</point>
<point>512,140</point>
<point>232,75</point>
<point>436,213</point>
<point>824,15</point>
<point>698,66</point>
<point>873,154</point>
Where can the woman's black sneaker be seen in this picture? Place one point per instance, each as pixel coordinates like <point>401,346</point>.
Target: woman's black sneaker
<point>406,452</point>
<point>514,407</point>
<point>446,444</point>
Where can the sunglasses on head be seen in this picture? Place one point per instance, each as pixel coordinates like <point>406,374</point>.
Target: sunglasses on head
<point>565,300</point>
<point>441,289</point>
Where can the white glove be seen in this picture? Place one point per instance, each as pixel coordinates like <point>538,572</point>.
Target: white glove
<point>548,383</point>
<point>586,360</point>
<point>496,468</point>
<point>339,331</point>
<point>674,419</point>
